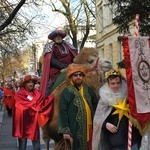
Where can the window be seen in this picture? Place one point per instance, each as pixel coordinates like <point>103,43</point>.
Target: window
<point>111,53</point>
<point>102,54</point>
<point>100,18</point>
<point>119,51</point>
<point>110,13</point>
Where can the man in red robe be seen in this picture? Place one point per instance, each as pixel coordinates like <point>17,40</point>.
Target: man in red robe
<point>57,55</point>
<point>30,113</point>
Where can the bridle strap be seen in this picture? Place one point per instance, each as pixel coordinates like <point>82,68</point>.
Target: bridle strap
<point>95,67</point>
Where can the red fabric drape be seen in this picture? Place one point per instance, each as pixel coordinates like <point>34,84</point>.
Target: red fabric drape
<point>141,118</point>
<point>45,73</point>
<point>29,115</point>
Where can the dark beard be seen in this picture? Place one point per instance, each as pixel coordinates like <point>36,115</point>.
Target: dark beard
<point>77,84</point>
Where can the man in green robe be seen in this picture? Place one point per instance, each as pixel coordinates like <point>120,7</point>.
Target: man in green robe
<point>77,106</point>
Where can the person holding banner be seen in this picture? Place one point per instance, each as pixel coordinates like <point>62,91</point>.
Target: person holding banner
<point>110,133</point>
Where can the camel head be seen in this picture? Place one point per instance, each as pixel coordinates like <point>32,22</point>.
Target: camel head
<point>104,65</point>
<point>90,57</point>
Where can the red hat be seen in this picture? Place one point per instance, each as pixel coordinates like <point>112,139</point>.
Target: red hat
<point>53,34</point>
<point>26,78</point>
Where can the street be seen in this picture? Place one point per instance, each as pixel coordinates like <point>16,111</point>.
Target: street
<point>7,141</point>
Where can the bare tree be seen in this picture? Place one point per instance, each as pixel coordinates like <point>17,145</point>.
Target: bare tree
<point>12,15</point>
<point>77,13</point>
<point>16,27</point>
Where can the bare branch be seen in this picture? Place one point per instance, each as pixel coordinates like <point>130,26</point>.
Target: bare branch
<point>78,12</point>
<point>89,9</point>
<point>12,15</point>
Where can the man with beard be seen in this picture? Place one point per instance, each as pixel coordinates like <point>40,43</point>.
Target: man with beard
<point>77,106</point>
<point>57,55</point>
<point>30,113</point>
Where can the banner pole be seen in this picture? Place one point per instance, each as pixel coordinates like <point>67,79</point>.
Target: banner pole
<point>136,25</point>
<point>136,33</point>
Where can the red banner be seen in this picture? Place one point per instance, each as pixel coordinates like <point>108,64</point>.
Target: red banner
<point>137,65</point>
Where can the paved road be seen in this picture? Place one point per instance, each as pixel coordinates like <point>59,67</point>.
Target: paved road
<point>7,141</point>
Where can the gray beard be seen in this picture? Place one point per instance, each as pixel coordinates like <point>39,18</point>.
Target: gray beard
<point>59,42</point>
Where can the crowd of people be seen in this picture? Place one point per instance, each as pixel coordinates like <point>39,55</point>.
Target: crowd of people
<point>83,117</point>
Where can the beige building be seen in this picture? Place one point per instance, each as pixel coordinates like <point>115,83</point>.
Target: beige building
<point>107,34</point>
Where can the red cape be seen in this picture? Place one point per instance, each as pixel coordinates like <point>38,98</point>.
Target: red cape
<point>46,69</point>
<point>8,97</point>
<point>29,115</point>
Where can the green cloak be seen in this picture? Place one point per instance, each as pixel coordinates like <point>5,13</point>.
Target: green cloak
<point>72,114</point>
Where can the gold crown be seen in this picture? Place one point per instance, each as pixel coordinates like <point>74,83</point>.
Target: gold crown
<point>113,72</point>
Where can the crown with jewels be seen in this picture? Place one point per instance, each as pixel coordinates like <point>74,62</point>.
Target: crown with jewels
<point>113,72</point>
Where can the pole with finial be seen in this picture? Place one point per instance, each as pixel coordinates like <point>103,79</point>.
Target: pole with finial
<point>136,33</point>
<point>136,25</point>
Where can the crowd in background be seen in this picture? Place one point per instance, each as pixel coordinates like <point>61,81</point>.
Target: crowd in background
<point>7,93</point>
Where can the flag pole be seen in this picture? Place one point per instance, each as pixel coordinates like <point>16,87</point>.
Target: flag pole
<point>136,33</point>
<point>136,25</point>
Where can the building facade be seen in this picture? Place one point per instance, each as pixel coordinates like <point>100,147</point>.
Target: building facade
<point>107,33</point>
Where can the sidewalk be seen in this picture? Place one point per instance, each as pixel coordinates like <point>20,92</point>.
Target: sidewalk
<point>7,141</point>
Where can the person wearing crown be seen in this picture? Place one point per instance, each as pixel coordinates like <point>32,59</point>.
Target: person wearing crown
<point>108,132</point>
<point>58,54</point>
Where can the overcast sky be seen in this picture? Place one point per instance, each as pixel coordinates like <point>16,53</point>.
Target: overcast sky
<point>44,19</point>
